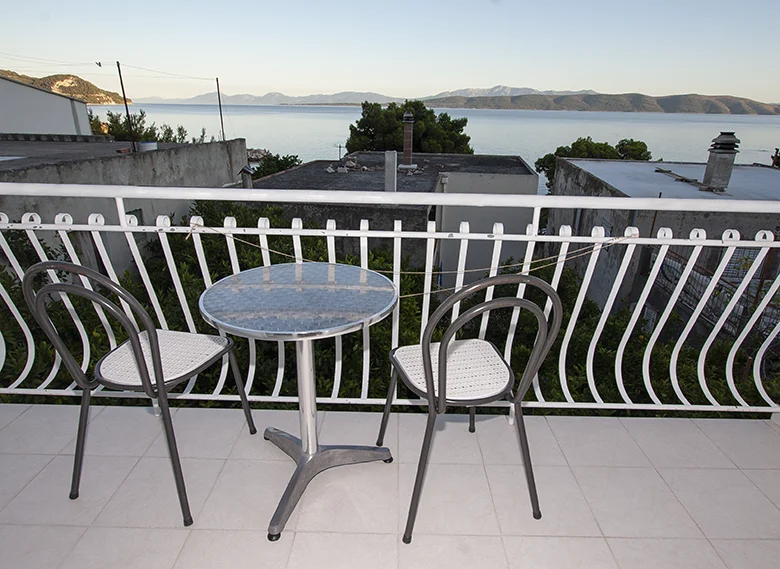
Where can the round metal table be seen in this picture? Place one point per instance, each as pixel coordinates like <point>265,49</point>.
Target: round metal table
<point>302,302</point>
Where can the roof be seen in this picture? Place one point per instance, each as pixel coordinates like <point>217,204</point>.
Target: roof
<point>42,90</point>
<point>640,179</point>
<point>314,175</point>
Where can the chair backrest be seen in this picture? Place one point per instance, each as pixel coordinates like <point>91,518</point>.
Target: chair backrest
<point>547,330</point>
<point>81,283</point>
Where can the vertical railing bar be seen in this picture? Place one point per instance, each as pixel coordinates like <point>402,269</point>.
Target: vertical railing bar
<point>728,236</point>
<point>597,232</point>
<point>760,356</point>
<point>330,240</point>
<point>531,230</point>
<point>264,224</point>
<point>297,223</point>
<point>144,274</point>
<point>462,254</point>
<point>397,244</point>
<point>427,281</point>
<point>495,260</point>
<point>366,330</point>
<point>696,234</point>
<point>759,259</point>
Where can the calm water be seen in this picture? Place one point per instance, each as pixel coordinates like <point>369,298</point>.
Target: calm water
<point>315,132</point>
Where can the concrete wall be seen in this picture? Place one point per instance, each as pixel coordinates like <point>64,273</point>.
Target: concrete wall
<point>481,219</point>
<point>209,165</point>
<point>29,110</point>
<point>573,181</point>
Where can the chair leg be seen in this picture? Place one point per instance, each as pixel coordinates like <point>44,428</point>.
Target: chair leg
<point>472,419</point>
<point>241,392</point>
<point>388,404</point>
<point>78,458</point>
<point>421,468</point>
<point>175,462</point>
<point>529,470</point>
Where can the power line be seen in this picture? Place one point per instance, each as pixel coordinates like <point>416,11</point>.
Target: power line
<point>32,59</point>
<point>171,74</point>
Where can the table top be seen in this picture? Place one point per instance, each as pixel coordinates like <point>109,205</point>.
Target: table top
<point>297,301</point>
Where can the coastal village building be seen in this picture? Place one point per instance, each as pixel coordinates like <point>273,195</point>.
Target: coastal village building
<point>30,110</point>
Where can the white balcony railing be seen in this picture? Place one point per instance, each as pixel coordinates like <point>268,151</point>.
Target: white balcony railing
<point>683,353</point>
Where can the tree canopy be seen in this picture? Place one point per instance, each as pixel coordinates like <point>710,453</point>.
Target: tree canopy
<point>116,125</point>
<point>625,149</point>
<point>273,163</point>
<point>382,129</point>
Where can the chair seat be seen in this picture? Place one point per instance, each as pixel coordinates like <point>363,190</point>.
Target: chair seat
<point>181,353</point>
<point>475,369</point>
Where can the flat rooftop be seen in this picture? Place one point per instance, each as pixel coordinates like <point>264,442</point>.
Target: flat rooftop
<point>640,179</point>
<point>17,154</point>
<point>314,175</point>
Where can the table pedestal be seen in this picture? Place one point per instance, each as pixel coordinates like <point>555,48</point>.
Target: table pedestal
<point>311,458</point>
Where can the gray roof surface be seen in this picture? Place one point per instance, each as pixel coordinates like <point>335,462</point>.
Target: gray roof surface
<point>640,180</point>
<point>313,175</point>
<point>16,154</point>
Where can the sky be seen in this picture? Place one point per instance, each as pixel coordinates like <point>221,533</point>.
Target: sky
<point>400,48</point>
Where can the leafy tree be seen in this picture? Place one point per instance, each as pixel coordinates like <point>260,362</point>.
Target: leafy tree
<point>117,126</point>
<point>273,163</point>
<point>626,149</point>
<point>382,129</point>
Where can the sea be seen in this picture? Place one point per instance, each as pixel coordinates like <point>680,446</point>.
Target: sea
<point>320,132</point>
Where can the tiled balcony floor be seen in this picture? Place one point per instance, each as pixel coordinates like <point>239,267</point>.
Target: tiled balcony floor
<point>615,493</point>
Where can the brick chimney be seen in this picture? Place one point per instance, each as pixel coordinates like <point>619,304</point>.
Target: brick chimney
<point>408,137</point>
<point>721,163</point>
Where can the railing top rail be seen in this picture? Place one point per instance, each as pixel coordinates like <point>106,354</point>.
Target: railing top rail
<point>714,204</point>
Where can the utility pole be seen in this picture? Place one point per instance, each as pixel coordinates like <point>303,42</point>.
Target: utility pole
<point>127,109</point>
<point>221,122</point>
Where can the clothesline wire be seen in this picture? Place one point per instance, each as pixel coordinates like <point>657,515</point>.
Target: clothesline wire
<point>582,251</point>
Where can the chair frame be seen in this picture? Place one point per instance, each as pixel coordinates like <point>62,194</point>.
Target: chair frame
<point>155,390</point>
<point>437,400</point>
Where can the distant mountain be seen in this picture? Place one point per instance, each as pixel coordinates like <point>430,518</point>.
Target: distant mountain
<point>70,85</point>
<point>504,91</point>
<point>343,98</point>
<point>628,102</point>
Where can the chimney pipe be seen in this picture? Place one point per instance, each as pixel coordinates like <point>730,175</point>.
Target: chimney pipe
<point>408,137</point>
<point>721,162</point>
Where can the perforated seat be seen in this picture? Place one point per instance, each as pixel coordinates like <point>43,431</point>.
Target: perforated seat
<point>475,369</point>
<point>182,355</point>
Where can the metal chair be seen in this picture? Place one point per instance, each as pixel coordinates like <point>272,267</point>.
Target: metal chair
<point>151,360</point>
<point>471,372</point>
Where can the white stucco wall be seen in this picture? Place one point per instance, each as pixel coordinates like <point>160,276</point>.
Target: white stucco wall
<point>28,110</point>
<point>481,219</point>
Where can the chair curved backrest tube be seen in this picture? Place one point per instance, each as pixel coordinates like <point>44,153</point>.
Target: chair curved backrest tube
<point>546,334</point>
<point>38,303</point>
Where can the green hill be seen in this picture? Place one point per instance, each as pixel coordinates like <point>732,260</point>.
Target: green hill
<point>70,85</point>
<point>627,102</point>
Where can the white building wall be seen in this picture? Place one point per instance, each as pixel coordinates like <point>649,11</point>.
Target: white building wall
<point>28,110</point>
<point>481,219</point>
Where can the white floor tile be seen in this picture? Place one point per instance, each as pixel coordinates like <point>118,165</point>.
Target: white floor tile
<point>254,447</point>
<point>724,503</point>
<point>128,548</point>
<point>246,496</point>
<point>10,411</point>
<point>45,499</point>
<point>558,553</point>
<point>148,498</point>
<point>344,551</point>
<point>634,502</point>
<point>564,509</point>
<point>120,431</point>
<point>768,481</point>
<point>675,443</point>
<point>36,547</point>
<point>43,429</point>
<point>596,441</point>
<point>748,553</point>
<point>666,553</point>
<point>203,433</point>
<point>16,471</point>
<point>750,444</point>
<point>500,443</point>
<point>452,552</point>
<point>455,500</point>
<point>349,428</point>
<point>452,442</point>
<point>359,498</point>
<point>209,549</point>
